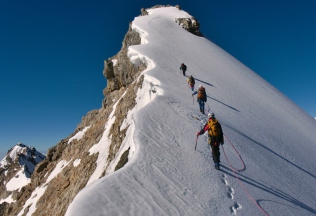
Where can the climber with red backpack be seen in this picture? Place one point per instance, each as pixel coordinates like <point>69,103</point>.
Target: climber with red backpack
<point>215,137</point>
<point>201,97</point>
<point>191,82</point>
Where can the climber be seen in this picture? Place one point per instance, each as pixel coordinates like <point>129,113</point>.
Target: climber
<point>191,82</point>
<point>201,97</point>
<point>215,137</point>
<point>183,67</point>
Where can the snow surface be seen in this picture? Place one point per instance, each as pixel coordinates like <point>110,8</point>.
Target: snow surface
<point>76,162</point>
<point>78,135</point>
<point>9,199</point>
<point>18,181</point>
<point>267,161</point>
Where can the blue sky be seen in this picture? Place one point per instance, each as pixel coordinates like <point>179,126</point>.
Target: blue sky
<point>52,53</point>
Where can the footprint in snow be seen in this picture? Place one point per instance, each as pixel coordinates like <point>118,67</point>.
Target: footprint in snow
<point>230,193</point>
<point>235,207</point>
<point>224,179</point>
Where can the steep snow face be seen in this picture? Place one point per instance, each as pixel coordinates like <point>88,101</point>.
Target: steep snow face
<point>267,160</point>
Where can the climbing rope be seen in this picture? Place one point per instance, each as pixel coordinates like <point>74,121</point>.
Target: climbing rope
<point>240,182</point>
<point>244,167</point>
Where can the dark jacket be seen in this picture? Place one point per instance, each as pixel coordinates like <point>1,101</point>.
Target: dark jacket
<point>183,67</point>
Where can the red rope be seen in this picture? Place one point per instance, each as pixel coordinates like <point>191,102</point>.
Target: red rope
<point>241,184</point>
<point>244,166</point>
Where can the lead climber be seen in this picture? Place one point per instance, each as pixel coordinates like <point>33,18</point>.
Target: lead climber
<point>183,67</point>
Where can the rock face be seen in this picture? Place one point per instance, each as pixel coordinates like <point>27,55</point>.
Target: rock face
<point>69,165</point>
<point>192,25</point>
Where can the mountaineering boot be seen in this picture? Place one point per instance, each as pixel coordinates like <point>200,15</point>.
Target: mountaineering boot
<point>216,166</point>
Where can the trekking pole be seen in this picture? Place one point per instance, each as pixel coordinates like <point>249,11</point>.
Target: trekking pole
<point>196,142</point>
<point>208,107</point>
<point>193,99</point>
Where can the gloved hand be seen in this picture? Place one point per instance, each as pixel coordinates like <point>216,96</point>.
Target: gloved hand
<point>198,134</point>
<point>222,143</point>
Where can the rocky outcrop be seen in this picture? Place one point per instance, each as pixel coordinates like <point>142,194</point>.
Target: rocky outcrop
<point>61,190</point>
<point>69,165</point>
<point>191,24</point>
<point>124,71</point>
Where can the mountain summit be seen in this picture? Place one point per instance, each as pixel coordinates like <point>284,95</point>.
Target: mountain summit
<point>136,154</point>
<point>16,169</point>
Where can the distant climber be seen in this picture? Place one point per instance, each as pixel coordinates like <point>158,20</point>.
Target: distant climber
<point>191,82</point>
<point>183,67</point>
<point>215,137</point>
<point>201,97</point>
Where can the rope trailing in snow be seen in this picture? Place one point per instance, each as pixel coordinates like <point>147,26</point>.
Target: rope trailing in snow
<point>241,184</point>
<point>244,166</point>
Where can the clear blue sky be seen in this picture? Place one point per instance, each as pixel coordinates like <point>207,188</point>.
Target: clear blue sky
<point>52,53</point>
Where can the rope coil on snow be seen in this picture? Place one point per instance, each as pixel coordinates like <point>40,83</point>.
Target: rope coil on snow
<point>243,163</point>
<point>241,184</point>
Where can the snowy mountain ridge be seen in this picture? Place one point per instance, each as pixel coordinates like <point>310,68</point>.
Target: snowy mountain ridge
<point>136,155</point>
<point>274,137</point>
<point>16,169</point>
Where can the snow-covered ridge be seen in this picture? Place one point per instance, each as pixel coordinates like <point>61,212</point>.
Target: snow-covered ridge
<point>167,176</point>
<point>138,156</point>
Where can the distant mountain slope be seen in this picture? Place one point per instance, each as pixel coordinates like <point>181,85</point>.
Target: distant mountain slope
<point>16,169</point>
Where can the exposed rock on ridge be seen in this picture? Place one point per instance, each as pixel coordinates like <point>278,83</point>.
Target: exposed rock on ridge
<point>192,25</point>
<point>71,158</point>
<point>61,190</point>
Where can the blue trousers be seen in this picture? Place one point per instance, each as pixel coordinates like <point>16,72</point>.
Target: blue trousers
<point>201,104</point>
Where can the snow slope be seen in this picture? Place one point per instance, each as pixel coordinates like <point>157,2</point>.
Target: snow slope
<point>276,139</point>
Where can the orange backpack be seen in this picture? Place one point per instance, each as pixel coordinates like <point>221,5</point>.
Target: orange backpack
<point>201,93</point>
